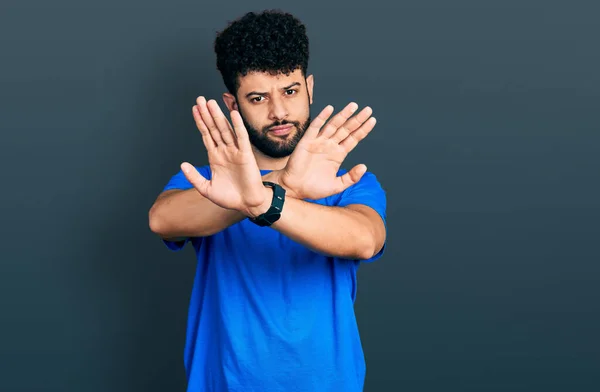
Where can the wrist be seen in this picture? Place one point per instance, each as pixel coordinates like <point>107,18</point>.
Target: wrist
<point>272,176</point>
<point>277,177</point>
<point>253,212</point>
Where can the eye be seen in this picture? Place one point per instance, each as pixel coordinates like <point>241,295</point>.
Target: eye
<point>257,99</point>
<point>290,92</point>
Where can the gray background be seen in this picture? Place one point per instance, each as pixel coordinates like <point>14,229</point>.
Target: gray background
<point>487,144</point>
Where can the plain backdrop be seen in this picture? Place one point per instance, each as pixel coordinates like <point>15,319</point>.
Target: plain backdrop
<point>487,144</point>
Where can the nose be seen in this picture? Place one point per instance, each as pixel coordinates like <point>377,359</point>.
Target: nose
<point>278,111</point>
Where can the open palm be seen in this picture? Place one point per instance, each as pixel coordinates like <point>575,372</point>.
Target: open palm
<point>311,171</point>
<point>236,182</point>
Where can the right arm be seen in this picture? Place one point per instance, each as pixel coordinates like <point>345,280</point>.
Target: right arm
<point>178,214</point>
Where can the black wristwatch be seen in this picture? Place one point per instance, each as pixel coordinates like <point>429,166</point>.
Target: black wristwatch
<point>274,212</point>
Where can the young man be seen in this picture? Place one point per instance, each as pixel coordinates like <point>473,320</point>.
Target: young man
<point>278,228</point>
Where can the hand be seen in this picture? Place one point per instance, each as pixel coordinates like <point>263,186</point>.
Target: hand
<point>236,181</point>
<point>311,171</point>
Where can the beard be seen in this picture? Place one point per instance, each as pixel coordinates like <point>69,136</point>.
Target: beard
<point>276,147</point>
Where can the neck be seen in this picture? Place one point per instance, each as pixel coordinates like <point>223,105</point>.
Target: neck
<point>268,163</point>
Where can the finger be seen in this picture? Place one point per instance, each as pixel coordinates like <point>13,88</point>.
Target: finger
<point>221,122</point>
<point>338,120</point>
<point>241,133</point>
<point>355,137</point>
<point>352,124</point>
<point>208,120</point>
<point>195,178</point>
<point>351,177</point>
<point>315,125</point>
<point>206,138</point>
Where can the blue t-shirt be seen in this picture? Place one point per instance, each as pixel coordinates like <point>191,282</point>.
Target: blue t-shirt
<point>268,314</point>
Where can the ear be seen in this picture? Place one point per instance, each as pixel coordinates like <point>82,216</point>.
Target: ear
<point>230,101</point>
<point>310,82</point>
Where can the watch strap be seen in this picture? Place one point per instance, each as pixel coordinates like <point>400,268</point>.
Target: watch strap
<point>274,212</point>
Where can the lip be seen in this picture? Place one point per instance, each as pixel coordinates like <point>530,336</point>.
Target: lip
<point>281,130</point>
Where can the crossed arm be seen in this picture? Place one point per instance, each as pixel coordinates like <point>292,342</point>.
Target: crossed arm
<point>235,191</point>
<point>354,231</point>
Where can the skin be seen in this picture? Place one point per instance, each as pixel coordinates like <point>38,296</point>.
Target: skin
<point>264,100</point>
<point>235,190</point>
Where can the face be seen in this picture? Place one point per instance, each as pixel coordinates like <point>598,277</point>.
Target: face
<point>275,110</point>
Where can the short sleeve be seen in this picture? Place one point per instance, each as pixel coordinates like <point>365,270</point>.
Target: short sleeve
<point>368,191</point>
<point>179,181</point>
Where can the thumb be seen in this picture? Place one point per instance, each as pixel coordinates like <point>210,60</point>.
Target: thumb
<point>352,176</point>
<point>195,178</point>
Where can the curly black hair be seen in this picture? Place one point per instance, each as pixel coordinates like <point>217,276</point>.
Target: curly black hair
<point>271,41</point>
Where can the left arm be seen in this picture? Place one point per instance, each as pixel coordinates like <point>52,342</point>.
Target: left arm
<point>355,231</point>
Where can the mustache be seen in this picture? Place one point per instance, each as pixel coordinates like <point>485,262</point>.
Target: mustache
<point>280,123</point>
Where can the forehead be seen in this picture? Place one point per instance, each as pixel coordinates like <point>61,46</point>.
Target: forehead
<point>266,82</point>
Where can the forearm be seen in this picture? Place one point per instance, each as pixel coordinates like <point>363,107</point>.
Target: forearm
<point>186,213</point>
<point>333,231</point>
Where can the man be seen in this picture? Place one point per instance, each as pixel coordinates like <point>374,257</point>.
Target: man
<point>278,228</point>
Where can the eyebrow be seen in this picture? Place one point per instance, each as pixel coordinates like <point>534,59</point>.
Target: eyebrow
<point>283,88</point>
